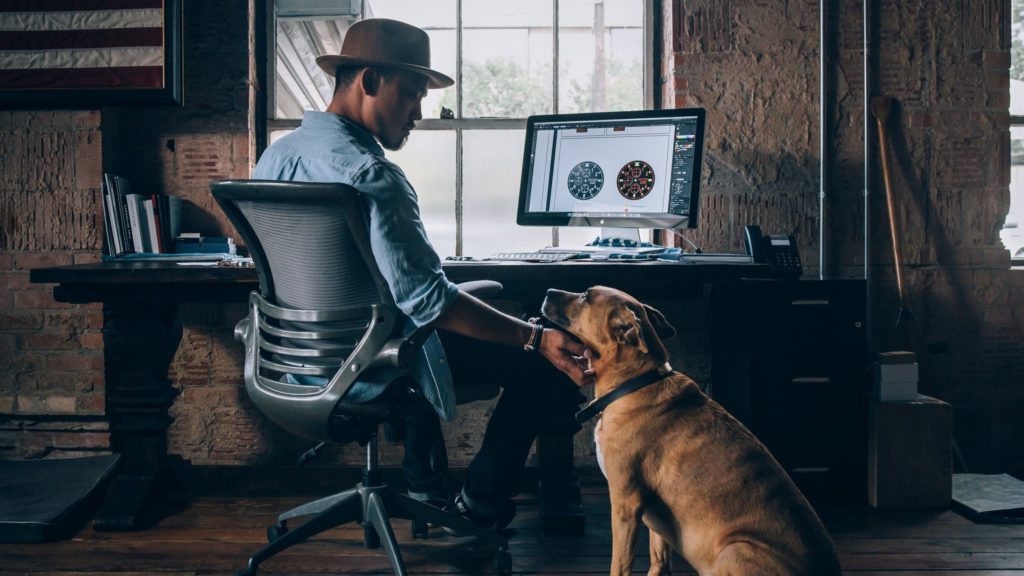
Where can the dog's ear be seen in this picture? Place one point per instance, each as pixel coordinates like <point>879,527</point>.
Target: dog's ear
<point>662,328</point>
<point>627,330</point>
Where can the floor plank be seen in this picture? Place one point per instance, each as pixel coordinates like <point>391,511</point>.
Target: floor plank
<point>214,527</point>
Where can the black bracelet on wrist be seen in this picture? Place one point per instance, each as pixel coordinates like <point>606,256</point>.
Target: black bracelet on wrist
<point>534,342</point>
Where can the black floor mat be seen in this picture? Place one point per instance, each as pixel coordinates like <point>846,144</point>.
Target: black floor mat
<point>41,500</point>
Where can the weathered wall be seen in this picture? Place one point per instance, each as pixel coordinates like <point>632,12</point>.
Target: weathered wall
<point>752,64</point>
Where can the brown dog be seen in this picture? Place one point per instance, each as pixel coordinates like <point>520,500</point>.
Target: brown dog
<point>701,482</point>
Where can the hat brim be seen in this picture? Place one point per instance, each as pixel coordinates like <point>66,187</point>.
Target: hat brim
<point>435,79</point>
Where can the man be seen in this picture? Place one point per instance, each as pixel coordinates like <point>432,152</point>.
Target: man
<point>381,76</point>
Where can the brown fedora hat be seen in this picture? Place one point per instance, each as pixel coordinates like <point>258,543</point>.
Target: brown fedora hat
<point>387,43</point>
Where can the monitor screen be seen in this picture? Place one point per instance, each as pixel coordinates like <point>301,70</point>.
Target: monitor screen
<point>622,169</point>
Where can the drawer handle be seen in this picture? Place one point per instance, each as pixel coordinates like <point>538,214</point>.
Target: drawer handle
<point>812,470</point>
<point>818,302</point>
<point>812,380</point>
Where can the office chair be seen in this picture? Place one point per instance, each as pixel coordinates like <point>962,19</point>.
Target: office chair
<point>324,311</point>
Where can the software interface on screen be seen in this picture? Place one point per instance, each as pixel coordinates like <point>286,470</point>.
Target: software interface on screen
<point>612,168</point>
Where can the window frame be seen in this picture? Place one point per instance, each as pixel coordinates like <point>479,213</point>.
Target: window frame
<point>265,105</point>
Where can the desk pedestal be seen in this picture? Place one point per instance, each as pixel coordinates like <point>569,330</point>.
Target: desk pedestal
<point>140,340</point>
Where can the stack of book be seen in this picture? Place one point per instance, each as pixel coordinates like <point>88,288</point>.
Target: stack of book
<point>138,223</point>
<point>195,243</point>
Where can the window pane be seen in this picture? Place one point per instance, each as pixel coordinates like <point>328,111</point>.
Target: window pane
<point>437,18</point>
<point>1012,233</point>
<point>300,84</point>
<point>428,160</point>
<point>507,52</point>
<point>601,55</point>
<point>490,195</point>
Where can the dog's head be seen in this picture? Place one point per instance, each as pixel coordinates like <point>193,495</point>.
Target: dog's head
<point>613,324</point>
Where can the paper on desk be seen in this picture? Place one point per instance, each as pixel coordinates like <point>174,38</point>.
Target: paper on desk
<point>206,264</point>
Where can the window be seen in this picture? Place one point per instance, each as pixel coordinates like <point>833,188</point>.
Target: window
<point>466,170</point>
<point>1012,233</point>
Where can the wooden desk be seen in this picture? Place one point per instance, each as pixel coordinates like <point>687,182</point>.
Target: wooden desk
<point>142,330</point>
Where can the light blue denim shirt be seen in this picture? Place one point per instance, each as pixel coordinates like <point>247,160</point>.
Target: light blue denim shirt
<point>330,148</point>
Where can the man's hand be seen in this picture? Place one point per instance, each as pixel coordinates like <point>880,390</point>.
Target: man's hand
<point>567,355</point>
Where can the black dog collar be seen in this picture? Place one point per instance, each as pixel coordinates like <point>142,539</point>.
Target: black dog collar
<point>597,405</point>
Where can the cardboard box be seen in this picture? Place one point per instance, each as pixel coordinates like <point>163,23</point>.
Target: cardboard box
<point>910,462</point>
<point>895,390</point>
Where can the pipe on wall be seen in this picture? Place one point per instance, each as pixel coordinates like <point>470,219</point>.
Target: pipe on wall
<point>822,136</point>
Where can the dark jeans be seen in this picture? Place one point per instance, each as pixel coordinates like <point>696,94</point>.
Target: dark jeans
<point>535,398</point>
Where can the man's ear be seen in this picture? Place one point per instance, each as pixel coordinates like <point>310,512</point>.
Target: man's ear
<point>370,81</point>
<point>662,328</point>
<point>627,330</point>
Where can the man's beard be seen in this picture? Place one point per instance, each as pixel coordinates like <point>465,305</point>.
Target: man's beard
<point>392,145</point>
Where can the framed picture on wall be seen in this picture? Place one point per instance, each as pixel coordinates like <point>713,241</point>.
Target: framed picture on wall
<point>87,54</point>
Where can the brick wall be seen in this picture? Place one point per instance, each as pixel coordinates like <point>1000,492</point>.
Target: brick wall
<point>51,357</point>
<point>753,65</point>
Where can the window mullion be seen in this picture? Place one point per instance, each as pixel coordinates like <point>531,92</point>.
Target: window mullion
<point>554,83</point>
<point>458,129</point>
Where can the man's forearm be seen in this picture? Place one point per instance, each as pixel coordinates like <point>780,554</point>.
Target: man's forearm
<point>472,317</point>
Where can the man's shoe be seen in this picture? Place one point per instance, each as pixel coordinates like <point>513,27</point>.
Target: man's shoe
<point>487,517</point>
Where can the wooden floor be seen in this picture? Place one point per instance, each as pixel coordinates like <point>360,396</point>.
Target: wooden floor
<point>215,525</point>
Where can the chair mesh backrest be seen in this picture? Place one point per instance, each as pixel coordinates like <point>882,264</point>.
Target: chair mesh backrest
<point>296,239</point>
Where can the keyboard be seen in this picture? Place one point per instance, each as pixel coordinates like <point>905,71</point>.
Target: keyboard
<point>533,256</point>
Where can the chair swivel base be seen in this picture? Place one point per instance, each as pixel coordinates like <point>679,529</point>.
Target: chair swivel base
<point>372,507</point>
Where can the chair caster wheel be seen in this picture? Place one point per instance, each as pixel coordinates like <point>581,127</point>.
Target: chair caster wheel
<point>276,531</point>
<point>420,529</point>
<point>249,570</point>
<point>503,563</point>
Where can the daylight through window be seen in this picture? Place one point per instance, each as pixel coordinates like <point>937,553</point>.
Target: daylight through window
<point>503,55</point>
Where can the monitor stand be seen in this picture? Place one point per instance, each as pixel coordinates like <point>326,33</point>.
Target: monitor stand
<point>618,240</point>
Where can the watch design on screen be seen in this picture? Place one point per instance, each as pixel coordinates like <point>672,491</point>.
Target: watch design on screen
<point>636,180</point>
<point>585,180</point>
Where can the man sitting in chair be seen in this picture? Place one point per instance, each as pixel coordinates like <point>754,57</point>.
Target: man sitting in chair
<point>381,76</point>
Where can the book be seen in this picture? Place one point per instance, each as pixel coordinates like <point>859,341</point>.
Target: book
<point>151,223</point>
<point>135,220</point>
<point>110,220</point>
<point>137,223</point>
<point>122,188</point>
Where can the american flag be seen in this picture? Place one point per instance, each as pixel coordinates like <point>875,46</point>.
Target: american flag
<point>81,44</point>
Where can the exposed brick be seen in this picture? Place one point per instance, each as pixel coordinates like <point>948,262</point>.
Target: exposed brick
<point>997,59</point>
<point>91,404</point>
<point>6,261</point>
<point>37,300</point>
<point>71,361</point>
<point>30,404</point>
<point>88,160</point>
<point>46,341</point>
<point>17,280</point>
<point>60,404</point>
<point>29,260</point>
<point>88,257</point>
<point>995,80</point>
<point>91,340</point>
<point>6,404</point>
<point>15,320</point>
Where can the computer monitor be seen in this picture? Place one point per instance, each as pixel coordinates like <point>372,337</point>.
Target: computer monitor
<point>614,170</point>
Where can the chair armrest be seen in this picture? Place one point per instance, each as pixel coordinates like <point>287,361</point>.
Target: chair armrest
<point>242,330</point>
<point>481,288</point>
<point>397,352</point>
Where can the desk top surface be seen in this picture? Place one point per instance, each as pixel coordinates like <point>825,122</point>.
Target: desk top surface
<point>171,281</point>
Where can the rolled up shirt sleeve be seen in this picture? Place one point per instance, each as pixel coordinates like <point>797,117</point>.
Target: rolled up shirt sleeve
<point>406,259</point>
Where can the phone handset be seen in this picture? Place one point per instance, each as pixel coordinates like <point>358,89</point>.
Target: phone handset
<point>753,241</point>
